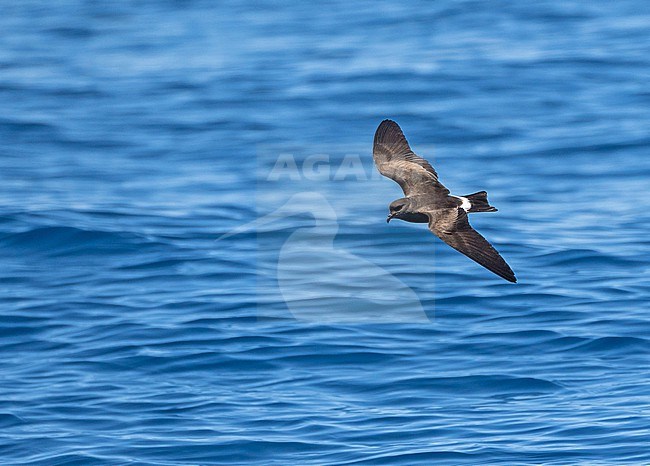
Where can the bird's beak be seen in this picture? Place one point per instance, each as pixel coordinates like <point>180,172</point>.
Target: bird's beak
<point>389,217</point>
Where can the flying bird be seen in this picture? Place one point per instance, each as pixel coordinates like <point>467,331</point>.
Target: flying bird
<point>428,201</point>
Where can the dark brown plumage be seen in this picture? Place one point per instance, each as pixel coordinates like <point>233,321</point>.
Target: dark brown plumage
<point>427,200</point>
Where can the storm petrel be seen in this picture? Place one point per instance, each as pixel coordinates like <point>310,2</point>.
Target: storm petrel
<point>428,201</point>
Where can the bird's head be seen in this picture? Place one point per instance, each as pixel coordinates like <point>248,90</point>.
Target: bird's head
<point>396,208</point>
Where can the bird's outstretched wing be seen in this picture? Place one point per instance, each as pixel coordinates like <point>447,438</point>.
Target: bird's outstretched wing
<point>395,160</point>
<point>452,226</point>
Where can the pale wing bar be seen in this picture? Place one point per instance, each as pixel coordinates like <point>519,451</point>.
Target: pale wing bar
<point>395,160</point>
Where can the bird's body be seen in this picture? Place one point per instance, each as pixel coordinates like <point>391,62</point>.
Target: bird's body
<point>427,200</point>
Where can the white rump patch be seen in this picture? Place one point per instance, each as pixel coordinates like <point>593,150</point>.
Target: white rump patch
<point>466,205</point>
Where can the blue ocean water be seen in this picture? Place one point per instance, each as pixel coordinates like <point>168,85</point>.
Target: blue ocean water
<point>135,134</point>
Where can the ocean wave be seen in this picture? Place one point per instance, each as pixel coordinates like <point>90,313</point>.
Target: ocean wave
<point>70,241</point>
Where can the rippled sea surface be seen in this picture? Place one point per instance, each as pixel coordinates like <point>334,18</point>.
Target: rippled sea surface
<point>134,134</point>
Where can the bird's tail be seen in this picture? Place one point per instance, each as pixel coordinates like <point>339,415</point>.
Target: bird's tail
<point>480,202</point>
